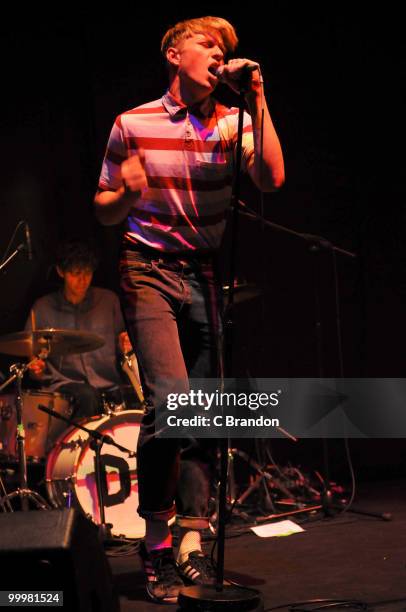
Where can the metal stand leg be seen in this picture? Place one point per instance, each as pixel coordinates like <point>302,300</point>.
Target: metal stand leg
<point>23,492</point>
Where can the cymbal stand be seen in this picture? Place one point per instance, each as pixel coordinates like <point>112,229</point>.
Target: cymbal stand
<point>5,506</point>
<point>261,477</point>
<point>23,492</point>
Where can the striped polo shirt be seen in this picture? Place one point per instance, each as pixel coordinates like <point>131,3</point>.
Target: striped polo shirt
<point>189,155</point>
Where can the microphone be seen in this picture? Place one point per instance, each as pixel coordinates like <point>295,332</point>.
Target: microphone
<point>28,241</point>
<point>241,72</point>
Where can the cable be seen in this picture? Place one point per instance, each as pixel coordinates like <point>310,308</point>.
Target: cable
<point>353,483</point>
<point>122,547</point>
<point>324,604</point>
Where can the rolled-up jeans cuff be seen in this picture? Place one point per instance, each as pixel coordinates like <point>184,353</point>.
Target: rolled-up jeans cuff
<point>193,522</point>
<point>158,515</point>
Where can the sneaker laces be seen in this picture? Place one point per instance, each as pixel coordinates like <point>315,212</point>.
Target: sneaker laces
<point>202,564</point>
<point>165,568</point>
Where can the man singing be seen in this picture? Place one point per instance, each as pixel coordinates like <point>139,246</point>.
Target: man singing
<point>167,173</point>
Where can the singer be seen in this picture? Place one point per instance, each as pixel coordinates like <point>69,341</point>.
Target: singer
<point>167,173</point>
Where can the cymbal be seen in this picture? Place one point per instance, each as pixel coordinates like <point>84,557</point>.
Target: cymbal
<point>57,341</point>
<point>243,292</point>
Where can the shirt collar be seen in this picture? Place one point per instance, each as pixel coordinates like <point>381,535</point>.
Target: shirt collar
<point>83,305</point>
<point>176,108</point>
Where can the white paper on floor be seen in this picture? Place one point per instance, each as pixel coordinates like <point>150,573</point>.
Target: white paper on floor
<point>282,528</point>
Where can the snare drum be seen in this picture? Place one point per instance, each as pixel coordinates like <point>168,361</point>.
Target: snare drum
<point>41,429</point>
<point>70,473</point>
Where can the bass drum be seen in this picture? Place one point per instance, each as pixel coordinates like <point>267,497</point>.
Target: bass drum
<point>70,473</point>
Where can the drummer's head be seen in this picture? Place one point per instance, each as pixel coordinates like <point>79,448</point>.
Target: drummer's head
<point>75,263</point>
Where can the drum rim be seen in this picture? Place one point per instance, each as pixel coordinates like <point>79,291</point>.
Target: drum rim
<point>42,392</point>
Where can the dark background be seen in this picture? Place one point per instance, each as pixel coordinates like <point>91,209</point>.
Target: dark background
<point>333,82</point>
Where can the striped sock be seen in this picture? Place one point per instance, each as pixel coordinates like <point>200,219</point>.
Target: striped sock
<point>157,535</point>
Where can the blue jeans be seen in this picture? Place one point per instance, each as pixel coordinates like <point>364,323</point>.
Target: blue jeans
<point>170,305</point>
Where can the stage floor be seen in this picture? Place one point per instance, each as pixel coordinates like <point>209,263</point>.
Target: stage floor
<point>348,556</point>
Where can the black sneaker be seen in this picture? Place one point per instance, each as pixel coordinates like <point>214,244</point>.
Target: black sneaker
<point>163,580</point>
<point>198,569</point>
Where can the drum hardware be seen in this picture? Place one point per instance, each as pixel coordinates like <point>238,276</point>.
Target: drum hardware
<point>25,494</point>
<point>110,407</point>
<point>129,366</point>
<point>5,506</point>
<point>243,291</point>
<point>74,444</point>
<point>37,343</point>
<point>97,440</point>
<point>68,494</point>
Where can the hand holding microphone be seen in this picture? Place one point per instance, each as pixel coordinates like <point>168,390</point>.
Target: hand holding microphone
<point>238,74</point>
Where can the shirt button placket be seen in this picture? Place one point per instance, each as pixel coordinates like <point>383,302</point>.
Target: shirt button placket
<point>188,133</point>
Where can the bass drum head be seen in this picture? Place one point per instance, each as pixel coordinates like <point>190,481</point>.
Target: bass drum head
<point>70,473</point>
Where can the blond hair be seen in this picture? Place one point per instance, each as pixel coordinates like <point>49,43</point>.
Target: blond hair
<point>190,27</point>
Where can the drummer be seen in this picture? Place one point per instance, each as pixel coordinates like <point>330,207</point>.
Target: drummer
<point>81,307</point>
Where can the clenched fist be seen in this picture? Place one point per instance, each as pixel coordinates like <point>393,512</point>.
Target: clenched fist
<point>133,172</point>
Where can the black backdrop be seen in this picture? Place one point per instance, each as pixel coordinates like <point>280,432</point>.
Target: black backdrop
<point>333,82</point>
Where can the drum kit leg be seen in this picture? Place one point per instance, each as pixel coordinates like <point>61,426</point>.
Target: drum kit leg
<point>22,492</point>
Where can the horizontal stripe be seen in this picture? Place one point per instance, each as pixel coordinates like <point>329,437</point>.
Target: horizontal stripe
<point>115,158</point>
<point>187,184</point>
<point>170,198</point>
<point>177,144</point>
<point>181,163</point>
<point>146,110</point>
<point>177,220</point>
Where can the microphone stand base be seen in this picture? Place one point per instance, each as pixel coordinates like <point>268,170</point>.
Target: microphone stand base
<point>230,598</point>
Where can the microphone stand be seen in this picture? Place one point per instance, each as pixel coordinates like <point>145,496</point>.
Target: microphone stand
<point>96,444</point>
<point>226,597</point>
<point>23,246</point>
<point>315,245</point>
<point>20,249</point>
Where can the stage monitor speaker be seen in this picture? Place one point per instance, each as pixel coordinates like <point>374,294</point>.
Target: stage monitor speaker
<point>56,550</point>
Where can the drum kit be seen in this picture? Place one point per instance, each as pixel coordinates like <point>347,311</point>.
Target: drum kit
<point>89,464</point>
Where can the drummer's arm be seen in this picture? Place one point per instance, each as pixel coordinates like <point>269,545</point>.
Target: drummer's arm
<point>36,369</point>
